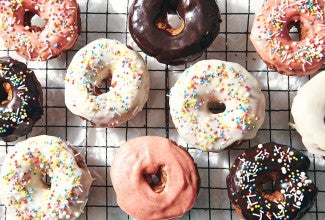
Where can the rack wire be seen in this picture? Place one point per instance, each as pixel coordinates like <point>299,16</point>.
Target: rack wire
<point>108,18</point>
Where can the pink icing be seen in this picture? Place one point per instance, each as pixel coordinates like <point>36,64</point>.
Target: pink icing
<point>145,155</point>
<point>270,36</point>
<point>59,33</point>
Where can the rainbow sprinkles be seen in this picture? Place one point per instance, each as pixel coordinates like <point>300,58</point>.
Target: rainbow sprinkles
<point>271,35</point>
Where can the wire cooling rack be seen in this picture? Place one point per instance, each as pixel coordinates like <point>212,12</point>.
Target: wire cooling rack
<point>108,18</point>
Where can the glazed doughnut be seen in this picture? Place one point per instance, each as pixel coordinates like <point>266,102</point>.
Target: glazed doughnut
<point>21,99</point>
<point>110,60</point>
<point>138,193</point>
<point>24,192</point>
<point>308,111</point>
<point>293,192</point>
<point>149,28</point>
<point>59,33</point>
<point>270,35</point>
<point>214,81</point>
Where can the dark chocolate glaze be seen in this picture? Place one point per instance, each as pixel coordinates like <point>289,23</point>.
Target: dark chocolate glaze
<point>293,192</point>
<point>201,26</point>
<point>18,113</point>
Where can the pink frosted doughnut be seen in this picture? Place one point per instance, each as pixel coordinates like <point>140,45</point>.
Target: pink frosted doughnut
<point>270,35</point>
<point>35,43</point>
<point>176,186</point>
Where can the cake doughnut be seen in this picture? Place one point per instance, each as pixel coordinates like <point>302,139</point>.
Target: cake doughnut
<point>154,178</point>
<point>308,111</point>
<point>270,35</point>
<point>293,193</point>
<point>21,99</point>
<point>60,32</point>
<point>101,60</point>
<point>149,28</point>
<point>23,190</point>
<point>215,81</point>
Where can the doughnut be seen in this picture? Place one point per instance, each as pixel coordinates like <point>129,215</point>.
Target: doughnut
<point>24,192</point>
<point>149,28</point>
<point>293,192</point>
<point>154,178</point>
<point>106,60</point>
<point>21,99</point>
<point>60,32</point>
<point>272,41</point>
<point>215,81</point>
<point>308,114</point>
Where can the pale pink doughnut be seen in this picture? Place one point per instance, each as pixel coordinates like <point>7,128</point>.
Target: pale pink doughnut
<point>137,195</point>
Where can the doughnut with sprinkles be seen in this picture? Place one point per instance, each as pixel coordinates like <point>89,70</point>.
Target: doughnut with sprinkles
<point>24,191</point>
<point>112,61</point>
<point>215,81</point>
<point>271,35</point>
<point>21,99</point>
<point>60,32</point>
<point>293,193</point>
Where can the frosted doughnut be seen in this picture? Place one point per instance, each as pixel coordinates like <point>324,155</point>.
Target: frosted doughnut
<point>293,194</point>
<point>308,111</point>
<point>142,197</point>
<point>100,60</point>
<point>25,194</point>
<point>270,35</point>
<point>214,81</point>
<point>60,32</point>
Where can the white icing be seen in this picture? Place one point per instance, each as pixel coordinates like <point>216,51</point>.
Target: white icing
<point>99,60</point>
<point>216,81</point>
<point>308,111</point>
<point>25,194</point>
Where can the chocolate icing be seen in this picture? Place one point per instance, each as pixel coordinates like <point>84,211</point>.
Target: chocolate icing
<point>201,26</point>
<point>293,192</point>
<point>21,99</point>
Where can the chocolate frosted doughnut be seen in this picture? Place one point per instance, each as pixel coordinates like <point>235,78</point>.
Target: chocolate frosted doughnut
<point>293,192</point>
<point>150,29</point>
<point>20,99</point>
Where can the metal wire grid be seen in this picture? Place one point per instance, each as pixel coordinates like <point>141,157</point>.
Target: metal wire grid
<point>104,18</point>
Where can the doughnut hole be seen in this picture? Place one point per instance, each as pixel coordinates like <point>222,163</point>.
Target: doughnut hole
<point>171,22</point>
<point>104,87</point>
<point>46,180</point>
<point>6,93</point>
<point>268,187</point>
<point>33,22</point>
<point>295,31</point>
<point>216,107</point>
<point>157,180</point>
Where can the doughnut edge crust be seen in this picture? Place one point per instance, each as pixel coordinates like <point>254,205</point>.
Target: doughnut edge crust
<point>216,81</point>
<point>145,155</point>
<point>23,191</point>
<point>294,193</point>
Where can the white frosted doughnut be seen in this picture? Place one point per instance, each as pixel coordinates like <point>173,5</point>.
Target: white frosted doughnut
<point>213,81</point>
<point>308,111</point>
<point>25,194</point>
<point>100,60</point>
